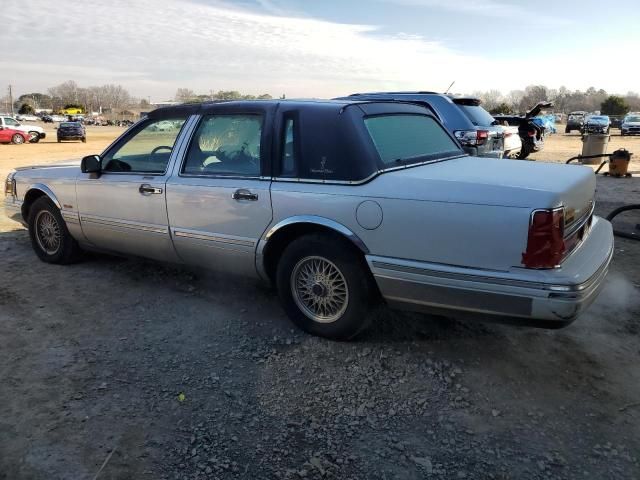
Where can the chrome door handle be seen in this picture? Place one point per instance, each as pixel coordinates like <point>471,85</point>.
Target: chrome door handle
<point>146,189</point>
<point>243,194</point>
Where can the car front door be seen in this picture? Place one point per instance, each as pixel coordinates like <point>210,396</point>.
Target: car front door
<point>124,210</point>
<point>218,204</point>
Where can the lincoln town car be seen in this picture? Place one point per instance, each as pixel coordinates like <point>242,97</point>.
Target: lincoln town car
<point>342,205</point>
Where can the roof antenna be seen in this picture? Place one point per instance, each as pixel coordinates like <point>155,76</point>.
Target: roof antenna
<point>447,90</point>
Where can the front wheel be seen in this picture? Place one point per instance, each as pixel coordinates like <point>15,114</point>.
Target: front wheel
<point>34,137</point>
<point>325,287</point>
<point>17,139</point>
<point>50,238</point>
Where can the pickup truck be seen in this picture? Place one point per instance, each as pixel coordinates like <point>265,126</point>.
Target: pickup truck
<point>35,132</point>
<point>341,204</point>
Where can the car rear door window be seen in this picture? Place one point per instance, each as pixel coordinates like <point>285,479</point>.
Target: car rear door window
<point>288,165</point>
<point>401,139</point>
<point>226,145</point>
<point>147,151</point>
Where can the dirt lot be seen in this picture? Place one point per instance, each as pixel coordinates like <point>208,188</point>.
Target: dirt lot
<point>167,373</point>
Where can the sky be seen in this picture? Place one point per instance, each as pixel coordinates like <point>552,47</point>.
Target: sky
<point>319,48</point>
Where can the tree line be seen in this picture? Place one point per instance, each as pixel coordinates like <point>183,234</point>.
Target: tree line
<point>186,95</point>
<point>564,100</point>
<point>111,97</point>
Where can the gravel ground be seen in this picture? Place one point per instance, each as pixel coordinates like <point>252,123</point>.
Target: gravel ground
<point>127,369</point>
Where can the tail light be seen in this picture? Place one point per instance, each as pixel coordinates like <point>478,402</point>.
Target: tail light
<point>545,242</point>
<point>531,133</point>
<point>472,137</point>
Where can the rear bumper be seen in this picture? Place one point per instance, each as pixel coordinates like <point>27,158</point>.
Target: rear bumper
<point>543,298</point>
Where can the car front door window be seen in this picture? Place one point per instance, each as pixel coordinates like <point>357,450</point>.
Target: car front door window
<point>147,151</point>
<point>226,145</point>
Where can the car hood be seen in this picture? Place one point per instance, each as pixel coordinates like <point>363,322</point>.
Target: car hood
<point>489,181</point>
<point>56,166</point>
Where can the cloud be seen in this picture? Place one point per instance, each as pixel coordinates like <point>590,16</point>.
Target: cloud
<point>153,47</point>
<point>489,8</point>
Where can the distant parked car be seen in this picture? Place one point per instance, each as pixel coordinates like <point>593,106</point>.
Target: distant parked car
<point>477,131</point>
<point>630,125</point>
<point>27,118</point>
<point>616,120</point>
<point>9,135</point>
<point>341,204</point>
<point>72,131</point>
<point>597,124</point>
<point>575,121</point>
<point>35,132</point>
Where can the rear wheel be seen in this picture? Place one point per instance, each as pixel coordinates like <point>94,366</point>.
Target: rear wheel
<point>325,286</point>
<point>50,238</point>
<point>84,139</point>
<point>17,139</point>
<point>567,130</point>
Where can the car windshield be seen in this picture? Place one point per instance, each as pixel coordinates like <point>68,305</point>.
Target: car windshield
<point>478,115</point>
<point>632,119</point>
<point>69,124</point>
<point>401,139</point>
<point>599,119</point>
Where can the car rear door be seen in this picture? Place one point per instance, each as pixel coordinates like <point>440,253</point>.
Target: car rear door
<point>124,210</point>
<point>218,198</point>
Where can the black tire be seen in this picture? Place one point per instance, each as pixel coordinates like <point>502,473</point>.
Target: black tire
<point>59,141</point>
<point>17,139</point>
<point>67,250</point>
<point>362,295</point>
<point>567,130</point>
<point>35,137</point>
<point>84,139</point>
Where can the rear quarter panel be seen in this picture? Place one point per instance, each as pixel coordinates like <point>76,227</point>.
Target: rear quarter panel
<point>478,236</point>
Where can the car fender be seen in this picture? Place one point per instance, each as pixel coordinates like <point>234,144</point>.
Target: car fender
<point>305,220</point>
<point>27,201</point>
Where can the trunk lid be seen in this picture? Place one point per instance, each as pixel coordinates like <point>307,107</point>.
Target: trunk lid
<point>489,181</point>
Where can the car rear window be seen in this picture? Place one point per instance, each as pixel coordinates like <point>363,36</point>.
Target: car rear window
<point>69,124</point>
<point>401,138</point>
<point>478,115</point>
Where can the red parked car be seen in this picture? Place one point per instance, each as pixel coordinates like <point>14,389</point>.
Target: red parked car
<point>9,135</point>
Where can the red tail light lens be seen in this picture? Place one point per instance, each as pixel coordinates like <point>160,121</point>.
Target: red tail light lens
<point>531,133</point>
<point>545,243</point>
<point>482,137</point>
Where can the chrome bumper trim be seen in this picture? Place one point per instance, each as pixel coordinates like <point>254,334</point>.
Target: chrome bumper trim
<point>214,238</point>
<point>559,290</point>
<point>108,222</point>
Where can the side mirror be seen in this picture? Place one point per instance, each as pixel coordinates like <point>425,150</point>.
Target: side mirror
<point>91,164</point>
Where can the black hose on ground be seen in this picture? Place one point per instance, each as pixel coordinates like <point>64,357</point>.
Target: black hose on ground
<point>631,235</point>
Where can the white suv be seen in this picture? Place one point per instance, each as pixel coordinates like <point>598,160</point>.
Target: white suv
<point>35,132</point>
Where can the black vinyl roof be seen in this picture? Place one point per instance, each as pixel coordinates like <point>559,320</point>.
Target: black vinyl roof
<point>205,107</point>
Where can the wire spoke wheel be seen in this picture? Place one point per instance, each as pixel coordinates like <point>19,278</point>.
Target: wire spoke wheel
<point>48,233</point>
<point>319,289</point>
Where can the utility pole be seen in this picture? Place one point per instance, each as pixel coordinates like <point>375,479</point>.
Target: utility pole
<point>11,100</point>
